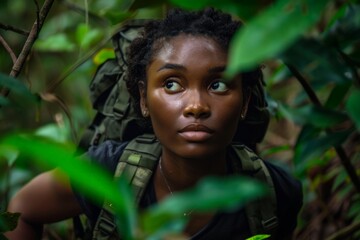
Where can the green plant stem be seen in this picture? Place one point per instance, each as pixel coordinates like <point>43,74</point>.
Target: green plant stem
<point>345,232</point>
<point>345,161</point>
<point>34,33</point>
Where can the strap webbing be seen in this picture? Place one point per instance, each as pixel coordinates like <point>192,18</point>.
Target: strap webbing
<point>261,213</point>
<point>136,163</point>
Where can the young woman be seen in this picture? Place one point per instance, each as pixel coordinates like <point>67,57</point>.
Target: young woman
<point>175,78</point>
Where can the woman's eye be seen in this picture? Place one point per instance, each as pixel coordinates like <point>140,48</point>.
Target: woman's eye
<point>172,86</point>
<point>218,87</point>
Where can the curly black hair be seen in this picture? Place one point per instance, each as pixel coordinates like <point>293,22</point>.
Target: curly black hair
<point>209,22</point>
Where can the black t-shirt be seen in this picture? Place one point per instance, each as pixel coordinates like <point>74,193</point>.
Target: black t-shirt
<point>232,225</point>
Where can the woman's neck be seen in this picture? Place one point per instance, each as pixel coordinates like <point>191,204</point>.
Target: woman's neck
<point>178,173</point>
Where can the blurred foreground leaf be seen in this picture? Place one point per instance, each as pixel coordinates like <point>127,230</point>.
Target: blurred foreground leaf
<point>211,194</point>
<point>88,178</point>
<point>259,237</point>
<point>271,31</point>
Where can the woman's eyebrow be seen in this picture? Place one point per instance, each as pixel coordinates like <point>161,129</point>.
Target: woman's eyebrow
<point>172,66</point>
<point>218,69</point>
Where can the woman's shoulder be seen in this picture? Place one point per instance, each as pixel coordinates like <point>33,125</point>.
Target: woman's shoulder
<point>106,154</point>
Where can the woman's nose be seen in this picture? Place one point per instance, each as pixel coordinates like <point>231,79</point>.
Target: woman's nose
<point>196,106</point>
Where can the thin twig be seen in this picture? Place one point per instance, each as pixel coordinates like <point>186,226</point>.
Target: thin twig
<point>37,13</point>
<point>14,29</point>
<point>8,49</point>
<point>345,232</point>
<point>310,92</point>
<point>339,150</point>
<point>29,43</point>
<point>76,8</point>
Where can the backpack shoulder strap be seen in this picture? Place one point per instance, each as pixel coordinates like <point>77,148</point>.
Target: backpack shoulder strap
<point>261,213</point>
<point>138,161</point>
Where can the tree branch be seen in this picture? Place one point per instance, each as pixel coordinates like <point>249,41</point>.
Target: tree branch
<point>13,29</point>
<point>345,232</point>
<point>345,161</point>
<point>17,67</point>
<point>8,49</point>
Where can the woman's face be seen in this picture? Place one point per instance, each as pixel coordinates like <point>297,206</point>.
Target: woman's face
<point>194,113</point>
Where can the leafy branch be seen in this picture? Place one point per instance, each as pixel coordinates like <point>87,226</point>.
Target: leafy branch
<point>33,35</point>
<point>339,150</point>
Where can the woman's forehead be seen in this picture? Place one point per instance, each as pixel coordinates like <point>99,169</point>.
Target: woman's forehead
<point>185,46</point>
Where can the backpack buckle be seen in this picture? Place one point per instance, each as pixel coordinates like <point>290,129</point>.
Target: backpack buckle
<point>270,223</point>
<point>146,138</point>
<point>106,226</point>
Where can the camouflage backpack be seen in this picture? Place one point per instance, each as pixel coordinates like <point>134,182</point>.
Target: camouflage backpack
<point>116,119</point>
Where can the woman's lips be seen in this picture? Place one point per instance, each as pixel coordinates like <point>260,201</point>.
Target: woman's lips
<point>196,133</point>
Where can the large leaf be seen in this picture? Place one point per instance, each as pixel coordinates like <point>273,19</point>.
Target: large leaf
<point>353,107</point>
<point>318,62</point>
<point>16,86</point>
<point>313,115</point>
<point>90,179</point>
<point>87,37</point>
<point>271,32</point>
<point>211,194</point>
<point>59,42</point>
<point>312,149</point>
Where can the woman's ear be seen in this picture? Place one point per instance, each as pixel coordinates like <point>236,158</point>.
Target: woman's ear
<point>244,109</point>
<point>143,105</point>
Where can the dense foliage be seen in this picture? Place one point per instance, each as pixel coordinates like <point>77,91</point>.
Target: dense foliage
<point>311,56</point>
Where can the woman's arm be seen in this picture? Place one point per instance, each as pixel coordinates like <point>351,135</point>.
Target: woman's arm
<point>47,198</point>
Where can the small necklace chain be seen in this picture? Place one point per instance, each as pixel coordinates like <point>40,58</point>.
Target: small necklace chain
<point>185,214</point>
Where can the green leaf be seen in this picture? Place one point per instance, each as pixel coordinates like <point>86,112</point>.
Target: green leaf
<point>56,43</point>
<point>54,132</point>
<point>320,63</point>
<point>337,95</point>
<point>258,237</point>
<point>272,31</point>
<point>353,107</point>
<point>8,221</point>
<point>316,116</point>
<point>16,86</point>
<point>103,55</point>
<point>86,36</point>
<point>88,178</point>
<point>211,194</point>
<point>312,149</point>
